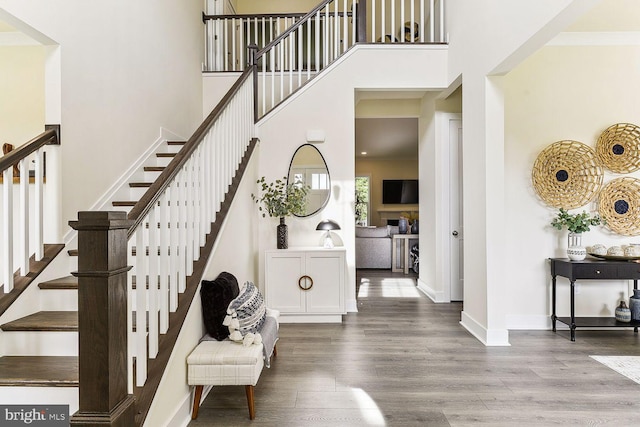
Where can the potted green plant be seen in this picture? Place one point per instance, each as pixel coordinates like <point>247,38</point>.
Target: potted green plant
<point>576,224</point>
<point>280,200</point>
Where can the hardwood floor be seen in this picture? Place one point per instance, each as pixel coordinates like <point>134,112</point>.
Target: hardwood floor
<point>404,361</point>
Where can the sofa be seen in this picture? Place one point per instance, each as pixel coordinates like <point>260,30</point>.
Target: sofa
<point>373,246</point>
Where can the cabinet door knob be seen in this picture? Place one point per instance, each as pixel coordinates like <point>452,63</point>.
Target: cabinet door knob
<point>597,271</point>
<point>308,283</point>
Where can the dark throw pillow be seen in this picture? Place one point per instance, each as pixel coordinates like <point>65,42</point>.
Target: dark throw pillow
<point>216,295</point>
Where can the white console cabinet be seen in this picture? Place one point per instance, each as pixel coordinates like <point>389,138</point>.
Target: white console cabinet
<point>306,285</point>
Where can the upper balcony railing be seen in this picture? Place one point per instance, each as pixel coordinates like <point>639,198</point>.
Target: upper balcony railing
<point>331,24</point>
<point>22,213</point>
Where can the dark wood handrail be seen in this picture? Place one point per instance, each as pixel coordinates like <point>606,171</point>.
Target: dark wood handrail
<point>252,16</point>
<point>151,196</point>
<point>47,137</point>
<point>292,28</point>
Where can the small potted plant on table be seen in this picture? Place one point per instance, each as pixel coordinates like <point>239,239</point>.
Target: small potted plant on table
<point>576,224</point>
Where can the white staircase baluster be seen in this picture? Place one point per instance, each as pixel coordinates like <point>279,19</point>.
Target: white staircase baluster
<point>38,209</point>
<point>153,281</point>
<point>182,227</point>
<point>373,20</point>
<point>234,64</point>
<point>393,21</point>
<point>432,21</point>
<point>7,229</point>
<point>383,21</point>
<point>174,218</point>
<point>421,21</point>
<point>24,217</point>
<point>164,264</point>
<point>141,308</point>
<point>413,20</point>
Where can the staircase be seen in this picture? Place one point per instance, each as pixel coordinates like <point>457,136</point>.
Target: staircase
<point>40,349</point>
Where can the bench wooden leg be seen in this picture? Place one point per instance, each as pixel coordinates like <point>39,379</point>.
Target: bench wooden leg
<point>196,401</point>
<point>252,411</point>
<point>275,351</point>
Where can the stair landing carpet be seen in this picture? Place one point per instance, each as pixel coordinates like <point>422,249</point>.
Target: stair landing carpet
<point>629,366</point>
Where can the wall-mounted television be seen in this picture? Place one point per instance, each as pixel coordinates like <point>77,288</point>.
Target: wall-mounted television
<point>400,191</point>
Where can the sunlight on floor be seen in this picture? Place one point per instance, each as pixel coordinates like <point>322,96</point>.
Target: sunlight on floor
<point>366,404</point>
<point>389,288</point>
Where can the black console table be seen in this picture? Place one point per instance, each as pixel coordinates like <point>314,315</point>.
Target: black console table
<point>591,269</point>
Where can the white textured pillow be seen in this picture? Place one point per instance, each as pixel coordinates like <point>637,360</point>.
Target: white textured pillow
<point>245,315</point>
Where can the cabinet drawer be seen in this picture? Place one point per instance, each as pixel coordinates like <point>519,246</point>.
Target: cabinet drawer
<point>597,271</point>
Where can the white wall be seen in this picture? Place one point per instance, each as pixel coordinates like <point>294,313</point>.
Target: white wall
<point>559,93</point>
<point>327,103</point>
<point>235,252</point>
<point>22,89</point>
<point>126,69</point>
<point>490,37</point>
<point>275,6</point>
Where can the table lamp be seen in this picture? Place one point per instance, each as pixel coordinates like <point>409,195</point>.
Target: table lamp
<point>328,225</point>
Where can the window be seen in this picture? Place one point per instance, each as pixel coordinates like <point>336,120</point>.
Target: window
<point>362,200</point>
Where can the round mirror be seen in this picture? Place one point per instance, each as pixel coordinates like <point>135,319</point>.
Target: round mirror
<point>309,168</point>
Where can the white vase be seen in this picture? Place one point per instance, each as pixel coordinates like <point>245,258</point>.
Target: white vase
<point>575,250</point>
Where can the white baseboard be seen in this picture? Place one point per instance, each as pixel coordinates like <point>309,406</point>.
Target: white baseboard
<point>532,323</point>
<point>489,337</point>
<point>352,306</point>
<point>182,415</point>
<point>435,296</point>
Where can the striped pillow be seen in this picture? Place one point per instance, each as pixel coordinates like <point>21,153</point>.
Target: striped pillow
<point>246,313</point>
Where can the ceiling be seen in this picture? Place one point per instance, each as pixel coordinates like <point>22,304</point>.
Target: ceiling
<point>387,137</point>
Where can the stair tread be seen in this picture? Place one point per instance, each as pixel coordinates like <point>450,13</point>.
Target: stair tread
<point>45,321</point>
<point>140,184</point>
<point>69,282</point>
<point>43,371</point>
<point>176,142</point>
<point>154,168</point>
<point>124,203</point>
<point>166,154</point>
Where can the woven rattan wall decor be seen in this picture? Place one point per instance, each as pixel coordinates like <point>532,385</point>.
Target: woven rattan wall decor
<point>619,206</point>
<point>567,175</point>
<point>618,148</point>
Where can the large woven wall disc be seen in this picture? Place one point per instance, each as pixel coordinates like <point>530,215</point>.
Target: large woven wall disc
<point>619,206</point>
<point>618,148</point>
<point>567,175</point>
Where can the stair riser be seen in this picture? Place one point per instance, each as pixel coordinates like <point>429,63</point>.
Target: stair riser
<point>40,396</point>
<point>59,300</point>
<point>162,161</point>
<point>150,176</point>
<point>40,343</point>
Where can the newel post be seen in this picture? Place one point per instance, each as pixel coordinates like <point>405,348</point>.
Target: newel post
<point>102,320</point>
<point>252,62</point>
<point>361,21</point>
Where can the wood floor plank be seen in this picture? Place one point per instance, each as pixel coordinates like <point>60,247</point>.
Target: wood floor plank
<point>403,360</point>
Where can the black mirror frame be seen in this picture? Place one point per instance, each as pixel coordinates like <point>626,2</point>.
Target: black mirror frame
<point>326,200</point>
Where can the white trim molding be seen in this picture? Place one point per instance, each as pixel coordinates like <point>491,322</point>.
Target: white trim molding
<point>435,296</point>
<point>619,38</point>
<point>488,337</point>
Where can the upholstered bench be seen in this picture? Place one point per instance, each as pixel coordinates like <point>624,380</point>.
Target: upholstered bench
<point>227,362</point>
<point>224,363</point>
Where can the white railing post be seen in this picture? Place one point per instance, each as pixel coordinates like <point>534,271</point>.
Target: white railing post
<point>24,217</point>
<point>7,229</point>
